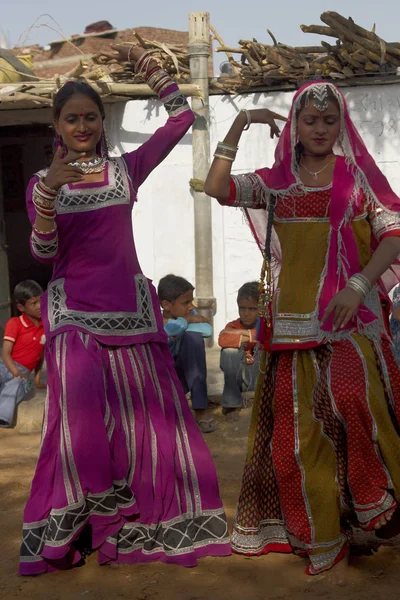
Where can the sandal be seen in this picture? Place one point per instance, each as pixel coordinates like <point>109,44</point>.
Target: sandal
<point>207,425</point>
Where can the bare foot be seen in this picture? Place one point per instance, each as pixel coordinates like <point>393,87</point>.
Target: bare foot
<point>384,520</point>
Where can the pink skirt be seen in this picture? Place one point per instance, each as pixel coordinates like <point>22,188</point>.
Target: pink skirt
<point>121,456</point>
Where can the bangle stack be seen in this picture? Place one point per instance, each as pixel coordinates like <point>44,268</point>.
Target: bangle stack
<point>143,63</point>
<point>360,284</point>
<point>155,76</point>
<point>226,152</point>
<point>159,80</point>
<point>44,200</point>
<point>248,117</point>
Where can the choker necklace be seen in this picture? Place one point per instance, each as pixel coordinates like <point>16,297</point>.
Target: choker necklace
<point>94,165</point>
<point>314,174</point>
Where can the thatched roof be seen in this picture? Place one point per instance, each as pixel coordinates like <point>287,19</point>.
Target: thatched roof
<point>356,56</point>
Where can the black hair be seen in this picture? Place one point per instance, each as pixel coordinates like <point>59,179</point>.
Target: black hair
<point>81,87</point>
<point>171,287</point>
<point>75,87</point>
<point>26,290</point>
<point>248,290</point>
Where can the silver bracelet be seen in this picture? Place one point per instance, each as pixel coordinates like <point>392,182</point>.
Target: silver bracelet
<point>224,157</point>
<point>248,117</point>
<point>359,284</point>
<point>227,147</point>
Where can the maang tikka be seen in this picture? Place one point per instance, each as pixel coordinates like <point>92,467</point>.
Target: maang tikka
<point>320,96</point>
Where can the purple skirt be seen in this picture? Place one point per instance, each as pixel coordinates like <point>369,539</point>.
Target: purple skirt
<point>121,453</point>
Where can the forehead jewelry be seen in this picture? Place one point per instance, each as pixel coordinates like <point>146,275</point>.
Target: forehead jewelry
<point>320,96</point>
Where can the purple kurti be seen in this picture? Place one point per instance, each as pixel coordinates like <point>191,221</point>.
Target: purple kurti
<point>120,451</point>
<point>97,285</point>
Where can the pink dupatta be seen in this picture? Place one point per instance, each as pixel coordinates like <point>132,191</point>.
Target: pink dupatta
<point>356,179</point>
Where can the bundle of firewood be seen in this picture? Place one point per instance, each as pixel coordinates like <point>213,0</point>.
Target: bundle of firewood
<point>355,52</point>
<point>173,59</point>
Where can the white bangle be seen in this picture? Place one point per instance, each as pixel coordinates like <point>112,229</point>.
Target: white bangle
<point>248,117</point>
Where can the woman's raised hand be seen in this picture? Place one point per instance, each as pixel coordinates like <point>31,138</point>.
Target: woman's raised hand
<point>128,53</point>
<point>268,117</point>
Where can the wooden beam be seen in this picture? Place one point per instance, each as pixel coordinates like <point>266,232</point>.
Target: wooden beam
<point>103,87</point>
<point>26,116</point>
<point>110,93</point>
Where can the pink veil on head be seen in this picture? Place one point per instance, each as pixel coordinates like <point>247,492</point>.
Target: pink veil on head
<point>356,179</point>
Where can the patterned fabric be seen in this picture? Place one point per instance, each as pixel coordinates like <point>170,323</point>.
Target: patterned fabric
<point>313,206</point>
<point>93,249</point>
<point>395,325</point>
<point>175,104</point>
<point>248,191</point>
<point>302,225</point>
<point>355,170</point>
<point>384,222</point>
<point>44,248</point>
<point>108,323</point>
<point>134,466</point>
<point>115,191</point>
<point>323,448</point>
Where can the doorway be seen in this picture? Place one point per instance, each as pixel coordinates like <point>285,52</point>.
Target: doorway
<point>24,150</point>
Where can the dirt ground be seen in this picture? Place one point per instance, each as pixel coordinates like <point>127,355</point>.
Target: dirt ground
<point>273,577</point>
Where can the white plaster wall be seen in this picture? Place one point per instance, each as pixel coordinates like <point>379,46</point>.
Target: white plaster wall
<point>163,217</point>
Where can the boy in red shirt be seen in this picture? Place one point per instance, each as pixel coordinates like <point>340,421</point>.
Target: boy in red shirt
<point>22,350</point>
<point>238,342</point>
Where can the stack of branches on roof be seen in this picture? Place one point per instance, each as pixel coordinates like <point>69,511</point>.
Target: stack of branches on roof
<point>354,52</point>
<point>173,59</point>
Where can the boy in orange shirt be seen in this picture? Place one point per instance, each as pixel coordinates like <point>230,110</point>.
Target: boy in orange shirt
<point>237,342</point>
<point>22,350</point>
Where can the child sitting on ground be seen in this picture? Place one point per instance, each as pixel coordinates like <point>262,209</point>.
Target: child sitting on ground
<point>185,330</point>
<point>22,350</point>
<point>237,342</point>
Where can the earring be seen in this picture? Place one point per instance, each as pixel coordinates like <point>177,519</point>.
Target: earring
<point>58,143</point>
<point>103,146</point>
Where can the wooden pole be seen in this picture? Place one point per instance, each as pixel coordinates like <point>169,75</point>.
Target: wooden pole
<point>199,52</point>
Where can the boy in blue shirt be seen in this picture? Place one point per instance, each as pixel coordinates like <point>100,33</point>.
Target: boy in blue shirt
<point>186,331</point>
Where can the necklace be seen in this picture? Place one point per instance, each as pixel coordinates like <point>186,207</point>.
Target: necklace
<point>94,165</point>
<point>314,174</point>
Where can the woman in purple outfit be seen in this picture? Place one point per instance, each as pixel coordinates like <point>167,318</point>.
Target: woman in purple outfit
<point>123,467</point>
